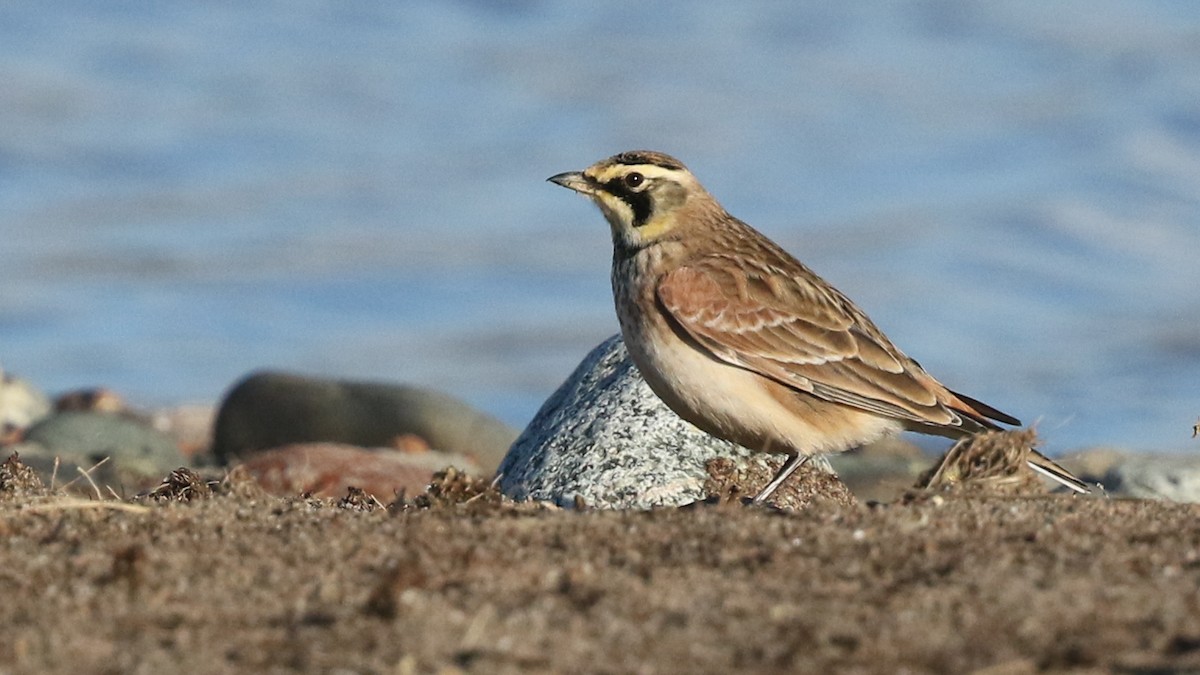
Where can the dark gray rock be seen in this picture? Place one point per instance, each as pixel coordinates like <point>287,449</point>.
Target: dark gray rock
<point>267,410</point>
<point>605,437</point>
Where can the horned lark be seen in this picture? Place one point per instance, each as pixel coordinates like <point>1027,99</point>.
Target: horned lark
<point>745,342</point>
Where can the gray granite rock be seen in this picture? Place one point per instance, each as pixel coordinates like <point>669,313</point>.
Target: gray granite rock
<point>1171,477</point>
<point>605,437</point>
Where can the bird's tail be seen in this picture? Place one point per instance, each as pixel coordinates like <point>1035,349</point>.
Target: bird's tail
<point>1050,469</point>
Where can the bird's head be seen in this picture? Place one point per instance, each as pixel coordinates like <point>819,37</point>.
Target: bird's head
<point>641,193</point>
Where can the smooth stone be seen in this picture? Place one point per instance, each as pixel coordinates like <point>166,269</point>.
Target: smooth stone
<point>84,439</point>
<point>21,404</point>
<point>878,478</point>
<point>270,409</point>
<point>881,471</point>
<point>331,469</point>
<point>604,437</point>
<point>189,425</point>
<point>1091,465</point>
<point>1170,477</point>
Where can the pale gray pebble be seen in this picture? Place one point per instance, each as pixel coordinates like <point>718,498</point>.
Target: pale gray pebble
<point>21,404</point>
<point>1173,478</point>
<point>606,438</point>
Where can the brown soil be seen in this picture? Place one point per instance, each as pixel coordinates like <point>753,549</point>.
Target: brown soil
<point>205,578</point>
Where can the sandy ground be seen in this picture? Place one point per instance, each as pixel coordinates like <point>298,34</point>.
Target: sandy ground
<point>459,580</point>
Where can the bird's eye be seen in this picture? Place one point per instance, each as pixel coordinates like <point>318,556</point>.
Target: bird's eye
<point>634,179</point>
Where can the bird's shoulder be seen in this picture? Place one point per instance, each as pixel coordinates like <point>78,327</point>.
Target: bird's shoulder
<point>747,284</point>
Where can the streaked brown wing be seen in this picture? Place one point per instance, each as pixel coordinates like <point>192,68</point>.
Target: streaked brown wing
<point>794,328</point>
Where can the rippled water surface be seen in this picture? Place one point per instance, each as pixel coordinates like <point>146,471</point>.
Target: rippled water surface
<point>189,191</point>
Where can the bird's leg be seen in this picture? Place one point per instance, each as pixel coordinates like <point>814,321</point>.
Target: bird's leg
<point>794,462</point>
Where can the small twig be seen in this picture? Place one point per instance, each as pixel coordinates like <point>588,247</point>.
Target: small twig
<point>86,474</point>
<point>54,474</point>
<point>95,488</point>
<point>80,504</point>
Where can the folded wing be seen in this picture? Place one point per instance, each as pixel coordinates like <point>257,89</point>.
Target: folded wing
<point>784,323</point>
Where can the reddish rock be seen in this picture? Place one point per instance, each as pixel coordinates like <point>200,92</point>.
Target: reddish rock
<point>410,443</point>
<point>330,469</point>
<point>98,399</point>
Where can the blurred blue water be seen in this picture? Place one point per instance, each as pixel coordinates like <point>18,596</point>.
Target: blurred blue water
<point>189,191</point>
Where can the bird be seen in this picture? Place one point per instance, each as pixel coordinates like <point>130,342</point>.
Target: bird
<point>744,341</point>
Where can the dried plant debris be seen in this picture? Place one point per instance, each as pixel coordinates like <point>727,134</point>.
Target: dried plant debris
<point>990,462</point>
<point>358,499</point>
<point>182,485</point>
<point>452,487</point>
<point>724,484</point>
<point>730,481</point>
<point>239,482</point>
<point>18,479</point>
